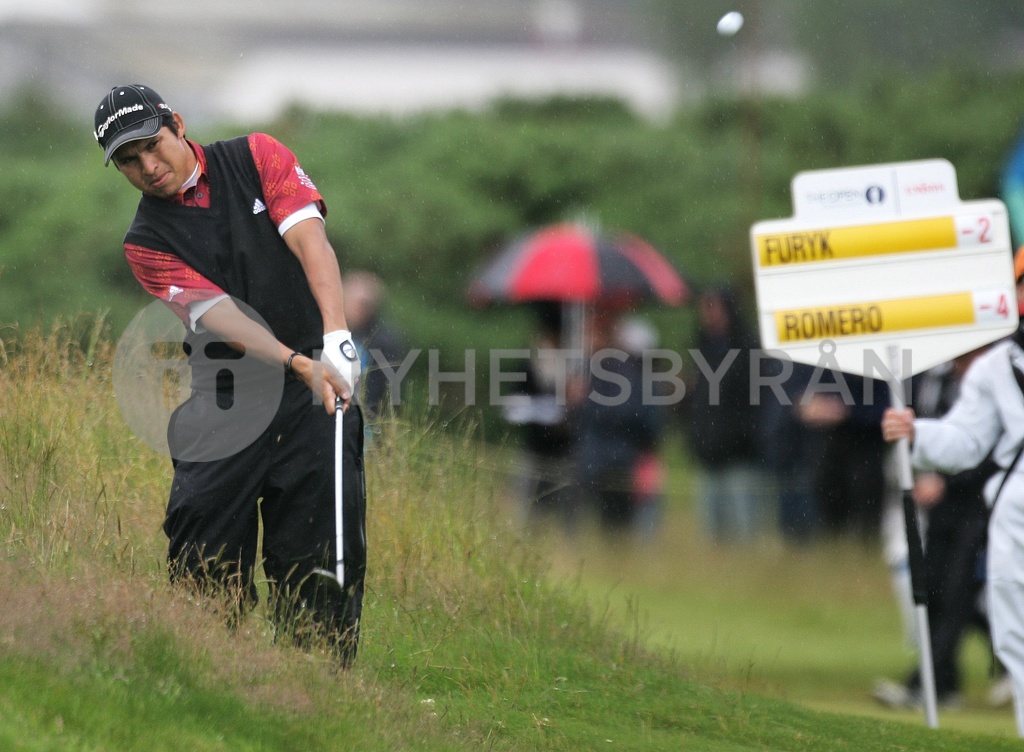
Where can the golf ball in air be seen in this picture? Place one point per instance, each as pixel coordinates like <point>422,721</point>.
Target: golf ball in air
<point>730,23</point>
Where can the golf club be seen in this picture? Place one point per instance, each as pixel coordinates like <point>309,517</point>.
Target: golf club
<point>339,565</point>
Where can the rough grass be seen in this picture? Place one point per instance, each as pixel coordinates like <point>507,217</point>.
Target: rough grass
<point>467,643</point>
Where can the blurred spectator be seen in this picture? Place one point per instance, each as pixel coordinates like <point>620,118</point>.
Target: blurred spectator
<point>849,481</point>
<point>635,336</point>
<point>788,451</point>
<point>376,339</point>
<point>896,551</point>
<point>617,432</point>
<point>540,412</point>
<point>721,421</point>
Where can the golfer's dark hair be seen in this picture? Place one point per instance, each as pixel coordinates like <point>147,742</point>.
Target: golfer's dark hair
<point>167,119</point>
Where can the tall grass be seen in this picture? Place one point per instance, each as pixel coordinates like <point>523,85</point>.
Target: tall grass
<point>78,490</point>
<point>84,590</point>
<point>467,644</point>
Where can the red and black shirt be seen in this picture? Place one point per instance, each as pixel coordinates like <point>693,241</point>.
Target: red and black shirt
<point>286,190</point>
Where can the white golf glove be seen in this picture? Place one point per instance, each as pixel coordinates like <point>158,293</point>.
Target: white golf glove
<point>340,351</point>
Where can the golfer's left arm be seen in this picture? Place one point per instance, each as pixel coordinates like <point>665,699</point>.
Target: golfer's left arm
<point>308,241</point>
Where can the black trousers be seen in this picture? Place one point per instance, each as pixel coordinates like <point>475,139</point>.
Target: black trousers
<point>850,482</point>
<point>214,510</point>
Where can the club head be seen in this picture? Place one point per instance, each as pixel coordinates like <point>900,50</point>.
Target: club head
<point>329,579</point>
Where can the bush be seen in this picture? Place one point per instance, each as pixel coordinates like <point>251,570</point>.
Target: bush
<point>424,200</point>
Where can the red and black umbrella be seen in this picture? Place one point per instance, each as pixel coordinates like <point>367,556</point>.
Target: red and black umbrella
<point>572,263</point>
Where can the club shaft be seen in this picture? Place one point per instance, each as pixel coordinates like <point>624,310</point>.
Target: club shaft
<point>339,519</point>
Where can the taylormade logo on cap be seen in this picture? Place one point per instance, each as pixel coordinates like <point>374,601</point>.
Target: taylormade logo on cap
<point>120,113</point>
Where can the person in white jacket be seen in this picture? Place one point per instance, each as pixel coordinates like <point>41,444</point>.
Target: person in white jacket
<point>987,418</point>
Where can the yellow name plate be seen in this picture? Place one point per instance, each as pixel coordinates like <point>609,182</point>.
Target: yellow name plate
<point>841,243</point>
<point>886,316</point>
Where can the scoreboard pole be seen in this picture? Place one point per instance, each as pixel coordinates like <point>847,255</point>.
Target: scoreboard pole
<point>915,548</point>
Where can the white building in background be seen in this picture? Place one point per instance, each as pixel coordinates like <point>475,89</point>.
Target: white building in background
<point>249,59</point>
<point>409,78</point>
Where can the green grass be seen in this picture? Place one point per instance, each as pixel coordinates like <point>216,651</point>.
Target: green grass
<point>473,638</point>
<point>816,625</point>
<point>166,713</point>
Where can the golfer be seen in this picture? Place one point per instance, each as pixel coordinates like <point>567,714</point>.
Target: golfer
<point>230,236</point>
<point>988,417</point>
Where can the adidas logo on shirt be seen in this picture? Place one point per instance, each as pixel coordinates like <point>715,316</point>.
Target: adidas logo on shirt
<point>258,207</point>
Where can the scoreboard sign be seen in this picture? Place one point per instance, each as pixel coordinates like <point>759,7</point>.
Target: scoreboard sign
<point>881,256</point>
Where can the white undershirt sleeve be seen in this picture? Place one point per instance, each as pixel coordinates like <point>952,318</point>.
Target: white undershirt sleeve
<point>306,212</point>
<point>197,309</point>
